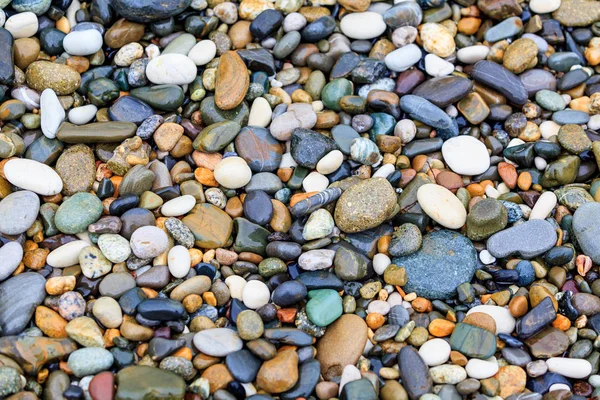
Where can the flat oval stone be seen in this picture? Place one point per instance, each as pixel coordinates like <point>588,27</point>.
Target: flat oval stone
<point>499,78</point>
<point>34,176</point>
<point>442,206</point>
<point>232,81</point>
<point>259,148</point>
<point>19,296</point>
<point>414,372</point>
<point>406,13</point>
<point>586,228</point>
<point>163,97</point>
<point>139,381</point>
<point>466,155</point>
<point>96,132</point>
<point>473,341</point>
<point>537,79</point>
<point>218,342</point>
<point>175,69</point>
<point>149,11</point>
<point>18,212</point>
<point>444,90</point>
<point>446,259</point>
<point>527,240</point>
<point>363,25</point>
<point>11,255</point>
<point>61,78</point>
<point>83,43</point>
<point>77,212</point>
<point>422,110</point>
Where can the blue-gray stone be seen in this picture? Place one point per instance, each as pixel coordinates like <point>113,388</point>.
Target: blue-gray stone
<point>446,259</point>
<point>514,211</point>
<point>308,377</point>
<point>562,61</point>
<point>504,30</point>
<point>565,117</point>
<point>586,226</point>
<point>19,296</point>
<point>428,113</point>
<point>529,239</point>
<point>90,361</point>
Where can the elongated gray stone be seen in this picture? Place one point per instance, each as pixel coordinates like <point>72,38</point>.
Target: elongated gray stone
<point>428,113</point>
<point>496,77</point>
<point>312,203</point>
<point>528,240</point>
<point>19,296</point>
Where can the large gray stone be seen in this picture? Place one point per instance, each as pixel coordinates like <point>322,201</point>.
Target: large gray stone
<point>527,240</point>
<point>19,296</point>
<point>586,226</point>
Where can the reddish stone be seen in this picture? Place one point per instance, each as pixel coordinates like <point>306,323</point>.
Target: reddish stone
<point>102,386</point>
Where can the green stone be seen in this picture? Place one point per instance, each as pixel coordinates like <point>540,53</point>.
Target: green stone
<point>486,218</point>
<point>573,139</point>
<point>250,237</point>
<point>210,225</point>
<point>45,150</point>
<point>10,381</point>
<point>182,44</point>
<point>561,172</point>
<point>549,100</point>
<point>383,124</point>
<point>212,114</point>
<point>102,91</point>
<point>573,197</point>
<point>97,132</point>
<point>77,212</point>
<point>163,97</point>
<point>271,266</point>
<point>473,341</point>
<point>217,136</point>
<point>148,383</point>
<point>333,92</point>
<point>349,265</point>
<point>136,181</point>
<point>324,306</point>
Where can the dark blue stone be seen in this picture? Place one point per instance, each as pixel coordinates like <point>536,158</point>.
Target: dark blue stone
<point>499,78</point>
<point>289,293</point>
<point>206,269</point>
<point>422,110</point>
<point>542,384</point>
<point>243,365</point>
<point>130,109</point>
<point>161,309</point>
<point>308,377</point>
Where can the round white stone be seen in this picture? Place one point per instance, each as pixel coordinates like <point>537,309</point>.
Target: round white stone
<point>576,368</point>
<point>53,114</point>
<point>11,255</point>
<point>33,175</point>
<point>233,172</point>
<point>472,54</point>
<point>544,206</point>
<point>66,255</point>
<point>83,43</point>
<point>148,242</point>
<point>466,155</point>
<point>379,307</point>
<point>108,311</point>
<point>442,206</point>
<point>380,263</point>
<point>486,257</point>
<point>217,342</point>
<point>22,25</point>
<point>406,130</point>
<point>82,115</point>
<point>315,182</point>
<point>540,163</point>
<point>549,129</point>
<point>594,122</point>
<point>330,163</point>
<point>436,66</point>
<point>544,6</point>
<point>435,352</point>
<point>403,58</point>
<point>505,322</point>
<point>171,69</point>
<point>482,369</point>
<point>203,52</point>
<point>179,261</point>
<point>255,295</point>
<point>363,25</point>
<point>236,284</point>
<point>260,113</point>
<point>178,206</point>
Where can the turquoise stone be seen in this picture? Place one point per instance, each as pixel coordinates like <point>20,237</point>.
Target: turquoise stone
<point>383,124</point>
<point>550,100</point>
<point>250,237</point>
<point>77,212</point>
<point>333,92</point>
<point>473,341</point>
<point>324,306</point>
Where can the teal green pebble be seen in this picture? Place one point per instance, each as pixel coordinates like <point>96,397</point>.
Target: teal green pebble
<point>334,91</point>
<point>549,100</point>
<point>10,381</point>
<point>77,212</point>
<point>383,124</point>
<point>473,341</point>
<point>324,306</point>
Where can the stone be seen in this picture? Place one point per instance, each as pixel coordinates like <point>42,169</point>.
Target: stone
<point>473,341</point>
<point>53,113</point>
<point>19,296</point>
<point>550,342</point>
<point>445,260</point>
<point>171,69</point>
<point>34,176</point>
<point>61,78</point>
<point>422,110</point>
<point>414,373</point>
<point>77,212</point>
<point>148,242</point>
<point>232,81</point>
<point>577,12</point>
<point>443,91</point>
<point>528,240</point>
<point>217,342</point>
<point>486,218</point>
<point>210,225</point>
<point>34,352</point>
<point>435,352</point>
<point>500,79</point>
<point>363,25</point>
<point>83,43</point>
<point>324,306</point>
<point>77,169</point>
<point>141,381</point>
<point>18,212</point>
<point>89,361</point>
<point>442,206</point>
<point>352,213</point>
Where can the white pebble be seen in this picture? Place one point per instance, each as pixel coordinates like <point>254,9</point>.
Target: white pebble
<point>472,54</point>
<point>363,25</point>
<point>544,206</point>
<point>236,285</point>
<point>83,43</point>
<point>52,112</point>
<point>435,352</point>
<point>379,307</point>
<point>544,6</point>
<point>260,113</point>
<point>22,25</point>
<point>482,369</point>
<point>540,163</point>
<point>594,122</point>
<point>384,171</point>
<point>466,155</point>
<point>330,162</point>
<point>233,172</point>
<point>403,58</point>
<point>558,386</point>
<point>576,368</point>
<point>436,66</point>
<point>315,182</point>
<point>442,206</point>
<point>66,255</point>
<point>486,258</point>
<point>406,130</point>
<point>380,263</point>
<point>491,191</point>
<point>203,52</point>
<point>179,261</point>
<point>172,68</point>
<point>349,374</point>
<point>255,295</point>
<point>82,115</point>
<point>33,175</point>
<point>549,128</point>
<point>505,322</point>
<point>178,206</point>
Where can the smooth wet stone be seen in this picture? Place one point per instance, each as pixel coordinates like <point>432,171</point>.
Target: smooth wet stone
<point>163,97</point>
<point>561,172</point>
<point>34,176</point>
<point>243,365</point>
<point>232,81</point>
<point>428,113</point>
<point>18,212</point>
<point>536,79</point>
<point>444,90</point>
<point>77,212</point>
<point>486,218</point>
<point>308,377</point>
<point>250,237</point>
<point>19,296</point>
<point>43,75</point>
<point>505,29</point>
<point>34,352</point>
<point>428,269</point>
<point>97,132</point>
<point>414,373</point>
<point>218,342</point>
<point>500,79</point>
<point>7,69</point>
<point>130,109</point>
<point>550,342</point>
<point>261,151</point>
<point>403,14</point>
<point>526,240</point>
<point>210,225</point>
<point>585,227</point>
<point>90,361</point>
<point>324,306</point>
<point>152,10</point>
<point>308,147</point>
<point>143,381</point>
<point>537,319</point>
<point>473,341</point>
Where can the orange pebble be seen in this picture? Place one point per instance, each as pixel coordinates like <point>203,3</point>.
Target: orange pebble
<point>518,306</point>
<point>375,320</point>
<point>184,352</point>
<point>524,181</point>
<point>475,189</point>
<point>561,322</point>
<point>441,327</point>
<point>298,197</point>
<point>421,304</point>
<point>286,315</point>
<point>205,176</point>
<point>150,292</point>
<point>458,358</point>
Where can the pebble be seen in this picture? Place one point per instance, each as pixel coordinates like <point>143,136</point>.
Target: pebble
<point>18,212</point>
<point>171,69</point>
<point>11,255</point>
<point>34,176</point>
<point>217,342</point>
<point>442,206</point>
<point>363,25</point>
<point>455,149</point>
<point>435,352</point>
<point>148,242</point>
<point>53,113</point>
<point>83,43</point>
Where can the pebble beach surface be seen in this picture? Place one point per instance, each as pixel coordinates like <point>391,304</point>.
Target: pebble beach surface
<point>289,199</point>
